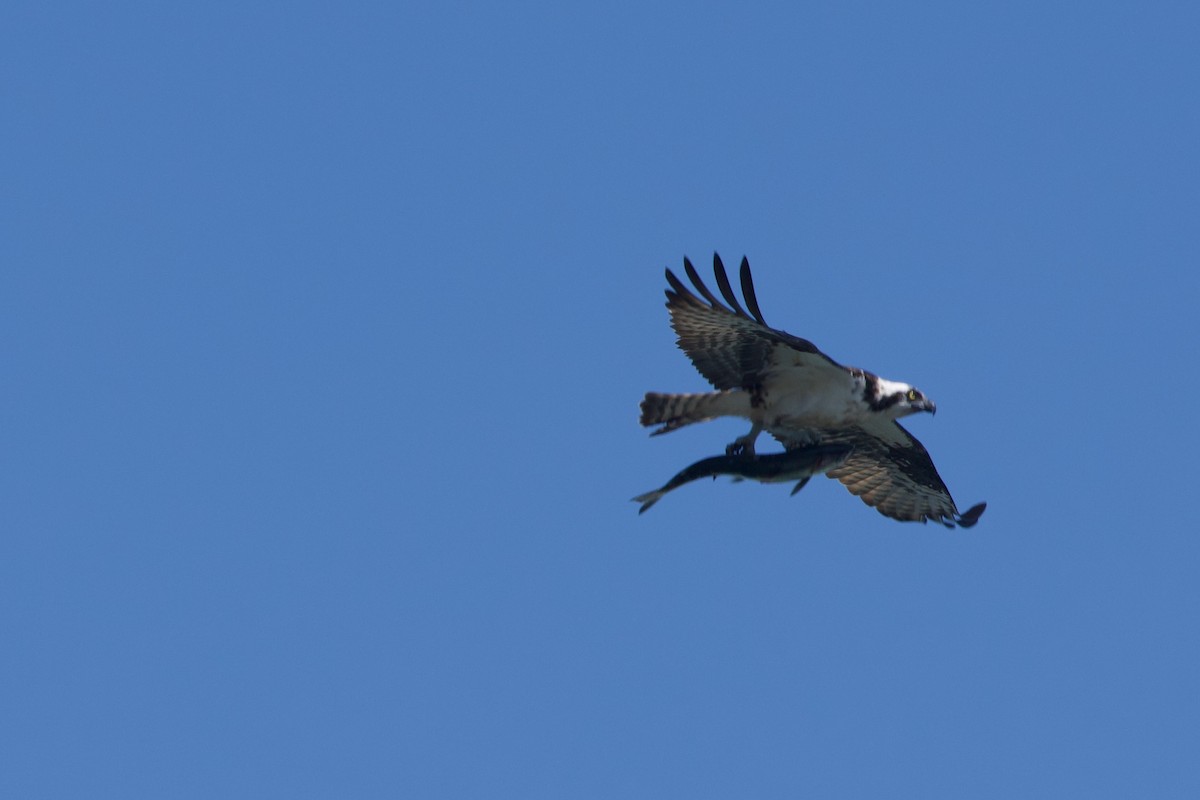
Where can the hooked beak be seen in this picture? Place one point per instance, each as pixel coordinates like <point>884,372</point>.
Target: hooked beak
<point>929,406</point>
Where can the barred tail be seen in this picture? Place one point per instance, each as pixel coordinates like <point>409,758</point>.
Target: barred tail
<point>673,411</point>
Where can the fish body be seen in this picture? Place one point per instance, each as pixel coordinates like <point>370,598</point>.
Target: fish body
<point>798,464</point>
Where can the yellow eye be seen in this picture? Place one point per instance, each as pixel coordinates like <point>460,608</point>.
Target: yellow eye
<point>912,395</point>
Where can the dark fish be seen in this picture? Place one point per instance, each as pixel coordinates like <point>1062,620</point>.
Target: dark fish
<point>799,465</point>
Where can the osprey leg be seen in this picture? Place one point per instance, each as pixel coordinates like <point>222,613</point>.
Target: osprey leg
<point>744,445</point>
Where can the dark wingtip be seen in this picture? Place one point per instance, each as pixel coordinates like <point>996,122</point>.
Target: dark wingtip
<point>799,485</point>
<point>723,285</point>
<point>694,277</point>
<point>972,515</point>
<point>748,291</point>
<point>687,267</point>
<point>677,287</point>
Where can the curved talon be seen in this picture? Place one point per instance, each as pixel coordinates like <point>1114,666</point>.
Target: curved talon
<point>744,445</point>
<point>740,448</point>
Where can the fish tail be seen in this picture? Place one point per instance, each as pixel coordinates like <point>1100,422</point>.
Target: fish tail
<point>648,499</point>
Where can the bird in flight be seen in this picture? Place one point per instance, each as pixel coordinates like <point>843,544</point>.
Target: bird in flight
<point>786,386</point>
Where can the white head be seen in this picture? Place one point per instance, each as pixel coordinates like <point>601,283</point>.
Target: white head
<point>895,399</point>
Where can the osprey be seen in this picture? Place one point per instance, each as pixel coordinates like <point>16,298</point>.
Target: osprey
<point>786,386</point>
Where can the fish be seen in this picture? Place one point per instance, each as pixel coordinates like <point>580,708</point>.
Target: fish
<point>798,464</point>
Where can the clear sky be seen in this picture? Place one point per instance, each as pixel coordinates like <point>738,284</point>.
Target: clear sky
<point>323,331</point>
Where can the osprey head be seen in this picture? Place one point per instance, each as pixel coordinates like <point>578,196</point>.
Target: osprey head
<point>914,400</point>
<point>896,399</point>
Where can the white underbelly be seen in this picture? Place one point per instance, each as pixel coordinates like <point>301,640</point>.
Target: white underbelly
<point>790,411</point>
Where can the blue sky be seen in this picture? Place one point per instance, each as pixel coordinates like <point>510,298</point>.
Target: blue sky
<point>324,329</point>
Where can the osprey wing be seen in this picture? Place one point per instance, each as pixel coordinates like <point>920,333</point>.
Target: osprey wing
<point>733,349</point>
<point>892,472</point>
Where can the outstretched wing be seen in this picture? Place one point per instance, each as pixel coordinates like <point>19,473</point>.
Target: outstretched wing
<point>892,472</point>
<point>734,349</point>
